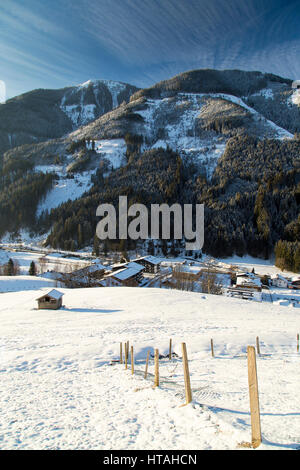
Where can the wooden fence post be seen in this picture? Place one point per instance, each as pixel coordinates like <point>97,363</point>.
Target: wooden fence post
<point>147,362</point>
<point>298,342</point>
<point>212,347</point>
<point>188,390</point>
<point>257,345</point>
<point>156,368</point>
<point>132,361</point>
<point>170,350</point>
<point>127,350</point>
<point>121,354</point>
<point>254,399</point>
<point>126,355</point>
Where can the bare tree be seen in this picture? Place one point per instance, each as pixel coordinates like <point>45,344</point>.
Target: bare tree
<point>42,264</point>
<point>210,283</point>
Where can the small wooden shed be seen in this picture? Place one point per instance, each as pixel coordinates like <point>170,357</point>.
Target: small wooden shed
<point>50,301</point>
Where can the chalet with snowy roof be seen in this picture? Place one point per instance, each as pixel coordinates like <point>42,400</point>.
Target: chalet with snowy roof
<point>279,281</point>
<point>50,301</point>
<point>248,287</point>
<point>248,280</point>
<point>89,276</point>
<point>129,276</point>
<point>151,263</point>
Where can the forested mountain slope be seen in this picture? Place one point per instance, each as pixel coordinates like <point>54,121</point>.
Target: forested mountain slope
<point>226,139</point>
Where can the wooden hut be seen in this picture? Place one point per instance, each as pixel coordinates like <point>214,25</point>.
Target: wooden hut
<point>50,301</point>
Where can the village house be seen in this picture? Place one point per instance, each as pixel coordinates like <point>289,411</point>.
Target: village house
<point>89,276</point>
<point>151,263</point>
<point>130,276</point>
<point>248,286</point>
<point>50,301</point>
<point>279,281</point>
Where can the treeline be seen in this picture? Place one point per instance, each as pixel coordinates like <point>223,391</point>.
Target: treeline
<point>11,268</point>
<point>287,255</point>
<point>253,199</point>
<point>251,202</point>
<point>234,82</point>
<point>19,198</point>
<point>154,177</point>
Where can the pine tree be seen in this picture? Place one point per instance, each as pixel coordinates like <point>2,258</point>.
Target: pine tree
<point>32,269</point>
<point>9,271</point>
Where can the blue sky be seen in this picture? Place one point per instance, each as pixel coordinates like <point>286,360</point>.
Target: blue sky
<point>56,43</point>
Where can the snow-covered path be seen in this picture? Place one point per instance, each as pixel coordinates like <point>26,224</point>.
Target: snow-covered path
<point>58,390</point>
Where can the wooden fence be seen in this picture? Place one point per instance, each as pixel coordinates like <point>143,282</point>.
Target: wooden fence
<point>252,379</point>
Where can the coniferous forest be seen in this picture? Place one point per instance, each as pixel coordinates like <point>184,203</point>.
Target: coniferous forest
<point>251,203</point>
<point>251,193</point>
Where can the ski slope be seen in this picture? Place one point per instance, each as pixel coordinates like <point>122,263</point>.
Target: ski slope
<point>59,391</point>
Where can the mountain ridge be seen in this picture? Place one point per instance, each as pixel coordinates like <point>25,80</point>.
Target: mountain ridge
<point>43,114</point>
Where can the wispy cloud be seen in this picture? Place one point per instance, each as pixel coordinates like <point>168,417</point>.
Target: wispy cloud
<point>142,41</point>
<point>206,32</point>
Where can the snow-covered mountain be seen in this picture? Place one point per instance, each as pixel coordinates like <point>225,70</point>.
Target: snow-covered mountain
<point>92,99</point>
<point>41,115</point>
<point>196,114</point>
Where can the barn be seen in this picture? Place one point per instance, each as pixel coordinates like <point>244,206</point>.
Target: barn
<point>50,301</point>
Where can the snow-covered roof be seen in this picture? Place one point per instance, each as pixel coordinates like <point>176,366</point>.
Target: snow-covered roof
<point>136,266</point>
<point>150,259</point>
<point>54,294</point>
<point>246,281</point>
<point>96,267</point>
<point>130,270</point>
<point>124,274</point>
<point>130,264</point>
<point>247,275</point>
<point>278,276</point>
<point>93,268</point>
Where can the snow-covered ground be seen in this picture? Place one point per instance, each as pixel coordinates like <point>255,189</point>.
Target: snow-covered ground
<point>23,283</point>
<point>113,150</point>
<point>202,151</point>
<point>65,189</point>
<point>44,262</point>
<point>114,87</point>
<point>266,93</point>
<point>247,263</point>
<point>180,135</point>
<point>295,98</point>
<point>58,390</point>
<point>280,133</point>
<point>82,113</point>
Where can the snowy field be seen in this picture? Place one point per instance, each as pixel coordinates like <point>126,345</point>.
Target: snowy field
<point>49,262</point>
<point>64,189</point>
<point>247,263</point>
<point>23,283</point>
<point>114,150</point>
<point>58,390</point>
